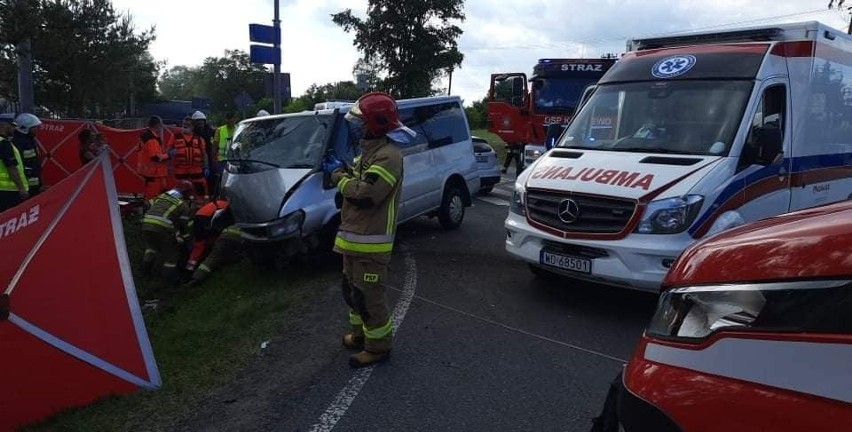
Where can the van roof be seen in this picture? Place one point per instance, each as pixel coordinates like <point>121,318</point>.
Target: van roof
<point>402,103</point>
<point>809,244</point>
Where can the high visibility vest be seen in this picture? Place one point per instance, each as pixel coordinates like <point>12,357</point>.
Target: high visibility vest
<point>6,182</point>
<point>226,135</point>
<point>189,155</point>
<point>28,147</point>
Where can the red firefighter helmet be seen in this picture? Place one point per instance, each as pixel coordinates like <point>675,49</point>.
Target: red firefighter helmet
<point>378,113</point>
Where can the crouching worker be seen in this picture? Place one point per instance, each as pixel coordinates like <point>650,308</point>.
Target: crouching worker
<point>213,233</point>
<point>370,192</point>
<point>166,227</point>
<point>227,250</point>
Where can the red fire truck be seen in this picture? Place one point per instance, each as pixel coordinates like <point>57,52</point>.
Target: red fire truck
<point>520,113</point>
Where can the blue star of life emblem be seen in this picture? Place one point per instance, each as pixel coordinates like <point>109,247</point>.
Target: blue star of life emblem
<point>675,66</point>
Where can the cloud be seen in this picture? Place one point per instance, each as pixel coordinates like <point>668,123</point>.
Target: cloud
<point>499,35</point>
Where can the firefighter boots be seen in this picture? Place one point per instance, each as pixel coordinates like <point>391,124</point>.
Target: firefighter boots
<point>367,358</point>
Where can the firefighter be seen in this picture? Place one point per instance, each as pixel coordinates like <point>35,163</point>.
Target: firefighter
<point>209,221</point>
<point>190,158</point>
<point>227,249</point>
<point>370,194</point>
<point>166,227</point>
<point>26,127</point>
<point>153,159</point>
<point>13,181</point>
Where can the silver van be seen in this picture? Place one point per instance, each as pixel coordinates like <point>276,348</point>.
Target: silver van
<point>284,203</point>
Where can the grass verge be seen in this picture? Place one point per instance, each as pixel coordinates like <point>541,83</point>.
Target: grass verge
<point>202,336</point>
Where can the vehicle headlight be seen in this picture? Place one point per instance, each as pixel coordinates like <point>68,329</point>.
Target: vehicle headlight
<point>694,313</point>
<point>533,153</point>
<point>287,225</point>
<point>670,216</point>
<point>517,204</point>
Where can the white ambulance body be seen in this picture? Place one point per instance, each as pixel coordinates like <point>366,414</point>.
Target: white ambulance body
<point>684,137</point>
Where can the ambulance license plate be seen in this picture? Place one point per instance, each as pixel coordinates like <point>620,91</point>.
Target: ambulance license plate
<point>565,262</point>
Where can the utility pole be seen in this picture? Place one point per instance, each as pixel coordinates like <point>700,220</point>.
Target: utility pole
<point>450,86</point>
<point>26,94</point>
<point>276,76</point>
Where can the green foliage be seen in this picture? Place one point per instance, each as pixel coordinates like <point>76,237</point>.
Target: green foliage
<point>219,78</point>
<point>88,58</point>
<point>477,114</point>
<point>412,41</point>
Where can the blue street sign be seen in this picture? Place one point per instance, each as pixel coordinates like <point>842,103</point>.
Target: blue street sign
<point>265,54</point>
<point>264,34</point>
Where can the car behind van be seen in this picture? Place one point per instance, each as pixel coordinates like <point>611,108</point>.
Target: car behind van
<point>753,332</point>
<point>284,203</point>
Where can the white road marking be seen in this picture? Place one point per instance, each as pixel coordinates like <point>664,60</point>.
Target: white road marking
<point>495,201</point>
<point>344,399</point>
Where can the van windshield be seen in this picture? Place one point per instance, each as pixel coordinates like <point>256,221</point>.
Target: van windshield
<point>681,117</point>
<point>285,142</point>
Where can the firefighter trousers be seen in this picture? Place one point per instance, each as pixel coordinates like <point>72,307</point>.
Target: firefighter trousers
<point>162,245</point>
<point>226,251</point>
<point>364,292</point>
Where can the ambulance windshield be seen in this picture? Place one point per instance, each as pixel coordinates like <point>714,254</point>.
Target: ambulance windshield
<point>680,117</point>
<point>283,142</point>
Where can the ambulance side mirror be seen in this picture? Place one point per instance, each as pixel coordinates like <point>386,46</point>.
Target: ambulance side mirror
<point>768,145</point>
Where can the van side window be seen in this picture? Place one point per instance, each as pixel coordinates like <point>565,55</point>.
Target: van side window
<point>439,124</point>
<point>771,114</point>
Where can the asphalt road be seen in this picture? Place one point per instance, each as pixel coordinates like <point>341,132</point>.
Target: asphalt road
<point>484,345</point>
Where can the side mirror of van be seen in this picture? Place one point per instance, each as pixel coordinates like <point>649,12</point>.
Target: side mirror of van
<point>768,145</point>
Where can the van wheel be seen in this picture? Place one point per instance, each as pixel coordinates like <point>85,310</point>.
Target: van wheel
<point>542,273</point>
<point>451,213</point>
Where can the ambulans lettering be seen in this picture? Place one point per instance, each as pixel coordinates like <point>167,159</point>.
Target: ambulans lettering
<point>17,223</point>
<point>626,179</point>
<point>582,67</point>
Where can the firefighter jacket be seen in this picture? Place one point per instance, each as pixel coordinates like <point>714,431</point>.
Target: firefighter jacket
<point>152,156</point>
<point>370,200</point>
<point>168,213</point>
<point>27,145</point>
<point>189,154</point>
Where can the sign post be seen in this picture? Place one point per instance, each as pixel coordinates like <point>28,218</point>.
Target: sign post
<point>269,55</point>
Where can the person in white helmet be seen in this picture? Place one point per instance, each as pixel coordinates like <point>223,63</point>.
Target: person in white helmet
<point>26,127</point>
<point>262,113</point>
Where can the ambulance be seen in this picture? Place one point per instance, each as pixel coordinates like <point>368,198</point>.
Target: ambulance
<point>684,137</point>
<point>753,332</point>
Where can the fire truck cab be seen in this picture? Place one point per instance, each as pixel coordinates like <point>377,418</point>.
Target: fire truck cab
<point>527,112</point>
<point>753,332</point>
<point>684,137</point>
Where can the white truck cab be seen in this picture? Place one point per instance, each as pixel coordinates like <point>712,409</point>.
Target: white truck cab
<point>684,137</point>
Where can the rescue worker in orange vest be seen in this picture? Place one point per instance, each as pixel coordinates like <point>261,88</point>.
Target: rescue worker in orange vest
<point>190,158</point>
<point>153,159</point>
<point>165,227</point>
<point>370,196</point>
<point>208,222</point>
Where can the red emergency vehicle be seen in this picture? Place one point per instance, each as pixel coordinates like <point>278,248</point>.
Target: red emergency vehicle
<point>520,113</point>
<point>752,333</point>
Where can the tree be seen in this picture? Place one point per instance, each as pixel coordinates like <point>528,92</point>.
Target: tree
<point>88,59</point>
<point>412,41</point>
<point>838,4</point>
<point>341,90</point>
<point>477,114</point>
<point>180,83</point>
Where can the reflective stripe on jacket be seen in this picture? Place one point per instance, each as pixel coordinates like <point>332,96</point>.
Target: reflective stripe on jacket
<point>371,199</point>
<point>27,145</point>
<point>6,182</point>
<point>168,212</point>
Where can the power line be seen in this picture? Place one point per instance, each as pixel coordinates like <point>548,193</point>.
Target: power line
<point>594,42</point>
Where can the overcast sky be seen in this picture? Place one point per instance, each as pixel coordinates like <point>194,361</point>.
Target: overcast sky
<point>499,35</point>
